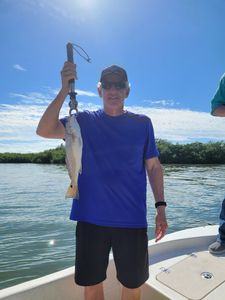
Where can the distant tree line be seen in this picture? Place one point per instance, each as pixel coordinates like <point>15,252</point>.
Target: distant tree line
<point>194,153</point>
<point>51,156</point>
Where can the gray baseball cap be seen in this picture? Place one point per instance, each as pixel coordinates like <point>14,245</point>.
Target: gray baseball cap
<point>114,69</point>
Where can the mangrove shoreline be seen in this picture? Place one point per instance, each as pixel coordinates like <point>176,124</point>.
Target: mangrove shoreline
<point>193,153</point>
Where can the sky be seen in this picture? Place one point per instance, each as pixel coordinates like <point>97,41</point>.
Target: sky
<point>173,51</point>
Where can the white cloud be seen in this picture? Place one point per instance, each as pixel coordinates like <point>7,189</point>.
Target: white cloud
<point>160,103</point>
<point>179,125</point>
<point>18,125</point>
<point>33,98</point>
<point>55,9</point>
<point>17,129</point>
<point>86,93</point>
<point>61,11</point>
<point>19,67</point>
<point>46,98</point>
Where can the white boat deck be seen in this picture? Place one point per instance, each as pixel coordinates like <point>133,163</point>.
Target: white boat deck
<point>180,268</point>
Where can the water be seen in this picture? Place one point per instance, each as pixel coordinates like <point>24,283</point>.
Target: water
<point>37,237</point>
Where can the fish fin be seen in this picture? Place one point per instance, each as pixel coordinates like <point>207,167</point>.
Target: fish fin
<point>72,191</point>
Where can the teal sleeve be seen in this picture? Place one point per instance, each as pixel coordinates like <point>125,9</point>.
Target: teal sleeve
<point>219,98</point>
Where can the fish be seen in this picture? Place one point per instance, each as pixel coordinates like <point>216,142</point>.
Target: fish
<point>73,147</point>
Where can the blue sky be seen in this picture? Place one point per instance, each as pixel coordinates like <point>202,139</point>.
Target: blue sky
<point>173,51</point>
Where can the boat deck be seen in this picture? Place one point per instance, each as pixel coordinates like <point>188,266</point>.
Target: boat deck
<point>184,269</point>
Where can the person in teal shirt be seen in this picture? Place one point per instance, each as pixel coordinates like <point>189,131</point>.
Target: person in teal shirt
<point>218,101</point>
<point>218,109</point>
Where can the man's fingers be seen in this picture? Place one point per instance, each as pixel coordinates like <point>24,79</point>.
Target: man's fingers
<point>69,70</point>
<point>160,231</point>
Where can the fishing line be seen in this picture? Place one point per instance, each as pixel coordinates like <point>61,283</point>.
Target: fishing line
<point>86,56</point>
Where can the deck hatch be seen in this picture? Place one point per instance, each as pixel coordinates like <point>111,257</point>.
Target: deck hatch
<point>195,276</point>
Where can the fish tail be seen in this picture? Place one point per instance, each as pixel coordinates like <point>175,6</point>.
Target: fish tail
<point>72,191</point>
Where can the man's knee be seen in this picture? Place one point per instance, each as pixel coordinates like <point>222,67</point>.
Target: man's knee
<point>131,294</point>
<point>94,292</point>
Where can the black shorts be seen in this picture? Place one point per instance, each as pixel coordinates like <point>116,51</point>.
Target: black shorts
<point>130,252</point>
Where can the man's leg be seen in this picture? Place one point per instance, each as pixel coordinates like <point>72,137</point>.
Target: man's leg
<point>218,247</point>
<point>131,294</point>
<point>94,292</point>
<point>130,251</point>
<point>222,223</point>
<point>92,255</point>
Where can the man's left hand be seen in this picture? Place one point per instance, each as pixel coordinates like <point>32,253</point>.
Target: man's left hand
<point>160,223</point>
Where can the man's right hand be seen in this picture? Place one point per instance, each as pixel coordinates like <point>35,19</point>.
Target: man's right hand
<point>68,72</point>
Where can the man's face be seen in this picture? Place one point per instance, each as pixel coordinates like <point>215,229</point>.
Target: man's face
<point>113,91</point>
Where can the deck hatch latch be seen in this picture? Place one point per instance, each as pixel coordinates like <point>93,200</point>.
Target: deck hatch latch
<point>207,275</point>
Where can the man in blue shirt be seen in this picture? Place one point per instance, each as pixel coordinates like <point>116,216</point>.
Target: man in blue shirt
<point>218,109</point>
<point>118,148</point>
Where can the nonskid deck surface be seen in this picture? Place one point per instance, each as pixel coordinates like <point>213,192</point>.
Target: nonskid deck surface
<point>194,276</point>
<point>184,269</point>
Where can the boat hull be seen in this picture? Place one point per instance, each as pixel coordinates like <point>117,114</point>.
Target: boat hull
<point>164,259</point>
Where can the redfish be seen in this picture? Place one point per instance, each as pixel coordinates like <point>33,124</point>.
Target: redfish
<point>74,146</point>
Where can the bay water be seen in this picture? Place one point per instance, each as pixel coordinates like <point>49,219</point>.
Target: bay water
<point>37,237</point>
